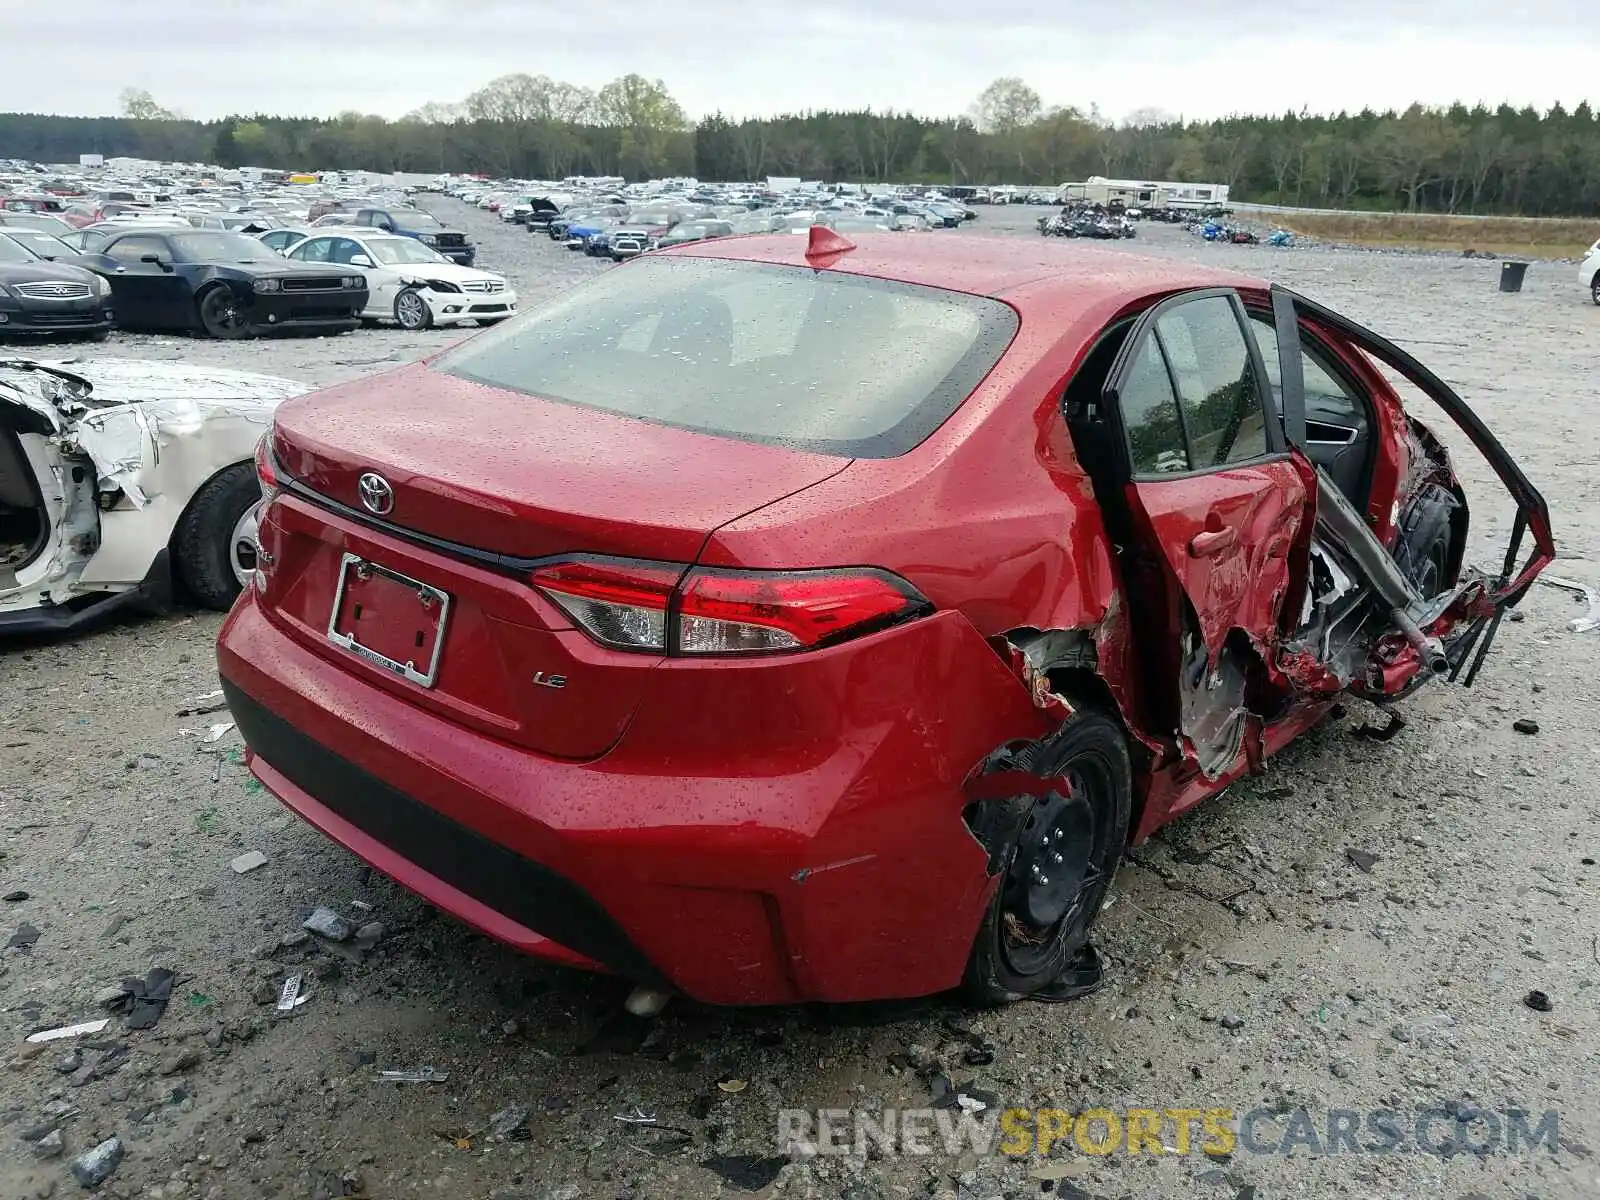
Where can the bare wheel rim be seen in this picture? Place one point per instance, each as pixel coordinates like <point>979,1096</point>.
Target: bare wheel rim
<point>409,310</point>
<point>221,312</point>
<point>242,544</point>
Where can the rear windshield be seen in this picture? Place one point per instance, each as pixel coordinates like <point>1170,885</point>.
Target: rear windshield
<point>817,360</point>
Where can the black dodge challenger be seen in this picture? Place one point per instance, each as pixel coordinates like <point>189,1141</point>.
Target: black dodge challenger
<point>224,284</point>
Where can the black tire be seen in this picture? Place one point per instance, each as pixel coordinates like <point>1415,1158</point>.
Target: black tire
<point>1019,949</point>
<point>201,547</point>
<point>221,315</point>
<point>1594,287</point>
<point>1423,549</point>
<point>412,311</point>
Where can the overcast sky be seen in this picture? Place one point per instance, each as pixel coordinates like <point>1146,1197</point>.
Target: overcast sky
<point>208,58</point>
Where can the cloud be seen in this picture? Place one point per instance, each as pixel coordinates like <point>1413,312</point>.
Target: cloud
<point>209,58</point>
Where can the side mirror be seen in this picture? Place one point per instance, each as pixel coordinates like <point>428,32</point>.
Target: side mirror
<point>360,260</point>
<point>387,226</point>
<point>153,258</point>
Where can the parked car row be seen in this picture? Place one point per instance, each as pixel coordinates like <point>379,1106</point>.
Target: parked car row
<point>610,226</point>
<point>152,273</point>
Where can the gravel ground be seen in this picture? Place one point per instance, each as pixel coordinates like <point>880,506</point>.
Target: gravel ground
<point>1356,929</point>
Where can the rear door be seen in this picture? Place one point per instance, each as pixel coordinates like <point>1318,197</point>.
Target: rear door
<point>1214,496</point>
<point>1533,514</point>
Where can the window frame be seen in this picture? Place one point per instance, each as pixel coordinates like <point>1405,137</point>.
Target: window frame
<point>1145,326</point>
<point>294,254</point>
<point>163,248</point>
<point>1329,361</point>
<point>334,249</point>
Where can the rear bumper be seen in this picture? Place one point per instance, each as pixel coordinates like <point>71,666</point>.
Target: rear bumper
<point>746,857</point>
<point>483,881</point>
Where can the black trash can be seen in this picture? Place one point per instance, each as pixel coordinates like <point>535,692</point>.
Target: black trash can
<point>1511,275</point>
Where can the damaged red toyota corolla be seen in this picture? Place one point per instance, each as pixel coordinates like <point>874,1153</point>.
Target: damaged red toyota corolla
<point>769,621</point>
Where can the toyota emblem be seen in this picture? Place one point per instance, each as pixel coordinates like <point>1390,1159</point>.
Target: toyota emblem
<point>377,496</point>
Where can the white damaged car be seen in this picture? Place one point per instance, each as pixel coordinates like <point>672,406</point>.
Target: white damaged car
<point>122,480</point>
<point>1589,272</point>
<point>409,283</point>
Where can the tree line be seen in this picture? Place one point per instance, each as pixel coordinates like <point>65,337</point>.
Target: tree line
<point>1456,159</point>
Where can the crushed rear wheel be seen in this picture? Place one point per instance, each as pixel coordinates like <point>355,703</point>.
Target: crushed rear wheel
<point>1056,869</point>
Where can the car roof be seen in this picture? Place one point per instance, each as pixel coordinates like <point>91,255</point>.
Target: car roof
<point>1076,275</point>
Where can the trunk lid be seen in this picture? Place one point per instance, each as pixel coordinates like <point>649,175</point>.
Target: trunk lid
<point>517,476</point>
<point>527,477</point>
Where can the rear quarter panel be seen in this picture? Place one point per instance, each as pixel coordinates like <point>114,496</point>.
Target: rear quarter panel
<point>992,515</point>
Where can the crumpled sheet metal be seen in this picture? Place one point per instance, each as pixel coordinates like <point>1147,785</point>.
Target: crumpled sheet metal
<point>125,443</point>
<point>120,442</point>
<point>152,404</point>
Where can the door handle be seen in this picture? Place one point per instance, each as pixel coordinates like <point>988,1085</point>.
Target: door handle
<point>1212,541</point>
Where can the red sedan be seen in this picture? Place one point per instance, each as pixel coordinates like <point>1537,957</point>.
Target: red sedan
<point>774,620</point>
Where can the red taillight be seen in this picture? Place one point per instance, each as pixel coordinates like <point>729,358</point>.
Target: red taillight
<point>731,612</point>
<point>618,602</point>
<point>668,608</point>
<point>266,467</point>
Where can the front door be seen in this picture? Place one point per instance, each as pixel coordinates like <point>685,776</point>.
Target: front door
<point>1214,502</point>
<point>147,295</point>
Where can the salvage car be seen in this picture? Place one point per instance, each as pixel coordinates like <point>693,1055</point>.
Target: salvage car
<point>123,482</point>
<point>1589,272</point>
<point>226,285</point>
<point>281,239</point>
<point>541,211</point>
<point>410,284</point>
<point>425,227</point>
<point>43,222</point>
<point>695,231</point>
<point>40,298</point>
<point>785,698</point>
<point>628,240</point>
<point>46,246</point>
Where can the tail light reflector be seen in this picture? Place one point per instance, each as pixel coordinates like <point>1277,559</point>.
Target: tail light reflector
<point>266,467</point>
<point>618,602</point>
<point>737,612</point>
<point>673,609</point>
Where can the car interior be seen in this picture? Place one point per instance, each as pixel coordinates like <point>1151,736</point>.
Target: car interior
<point>1338,421</point>
<point>1338,416</point>
<point>23,528</point>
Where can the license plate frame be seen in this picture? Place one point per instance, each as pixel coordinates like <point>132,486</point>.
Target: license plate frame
<point>426,594</point>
